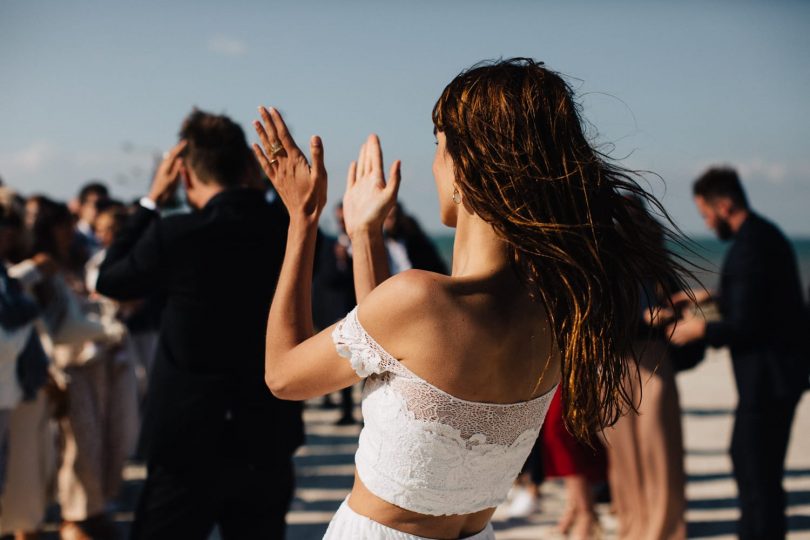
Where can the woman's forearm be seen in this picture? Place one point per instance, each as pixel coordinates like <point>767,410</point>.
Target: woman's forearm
<point>290,319</point>
<point>369,262</point>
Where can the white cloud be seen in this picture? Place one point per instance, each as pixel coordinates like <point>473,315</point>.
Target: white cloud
<point>756,169</point>
<point>30,159</point>
<point>772,172</point>
<point>42,166</point>
<point>227,46</point>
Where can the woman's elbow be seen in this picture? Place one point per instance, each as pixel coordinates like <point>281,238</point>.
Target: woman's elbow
<point>282,388</point>
<point>278,387</point>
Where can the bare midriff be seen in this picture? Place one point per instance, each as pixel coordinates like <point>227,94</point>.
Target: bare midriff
<point>365,503</point>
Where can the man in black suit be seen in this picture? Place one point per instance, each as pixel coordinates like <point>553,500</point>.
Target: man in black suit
<point>219,444</point>
<point>764,323</point>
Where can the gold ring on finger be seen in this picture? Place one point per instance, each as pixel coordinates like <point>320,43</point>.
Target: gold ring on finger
<point>274,160</point>
<point>276,148</point>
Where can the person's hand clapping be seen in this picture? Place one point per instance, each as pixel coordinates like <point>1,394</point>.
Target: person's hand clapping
<point>167,175</point>
<point>301,187</point>
<point>686,330</point>
<point>368,198</point>
<point>685,299</point>
<point>45,264</point>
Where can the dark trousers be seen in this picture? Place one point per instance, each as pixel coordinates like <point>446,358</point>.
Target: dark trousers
<point>758,447</point>
<point>244,501</point>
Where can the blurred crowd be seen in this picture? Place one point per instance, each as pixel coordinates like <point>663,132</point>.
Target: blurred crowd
<point>75,364</point>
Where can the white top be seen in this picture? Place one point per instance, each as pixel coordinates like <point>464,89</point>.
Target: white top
<point>426,451</point>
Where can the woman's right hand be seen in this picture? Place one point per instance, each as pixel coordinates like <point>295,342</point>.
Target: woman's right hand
<point>301,187</point>
<point>368,198</point>
<point>684,299</point>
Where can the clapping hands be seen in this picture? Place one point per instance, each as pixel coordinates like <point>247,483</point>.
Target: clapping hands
<point>301,186</point>
<point>167,174</point>
<point>368,198</point>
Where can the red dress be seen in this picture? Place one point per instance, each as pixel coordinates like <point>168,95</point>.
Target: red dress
<point>563,454</point>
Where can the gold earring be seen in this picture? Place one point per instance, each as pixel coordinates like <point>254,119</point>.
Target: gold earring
<point>456,196</point>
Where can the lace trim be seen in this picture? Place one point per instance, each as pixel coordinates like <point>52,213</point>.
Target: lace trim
<point>367,357</point>
<point>476,422</point>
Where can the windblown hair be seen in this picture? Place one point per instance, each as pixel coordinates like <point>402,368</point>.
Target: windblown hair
<point>523,164</point>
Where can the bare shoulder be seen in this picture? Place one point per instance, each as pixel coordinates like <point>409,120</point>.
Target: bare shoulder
<point>400,309</point>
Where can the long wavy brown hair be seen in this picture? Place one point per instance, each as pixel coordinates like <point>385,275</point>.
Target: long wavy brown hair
<point>524,164</point>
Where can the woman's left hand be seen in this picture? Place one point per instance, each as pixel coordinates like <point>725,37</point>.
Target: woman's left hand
<point>369,198</point>
<point>301,187</point>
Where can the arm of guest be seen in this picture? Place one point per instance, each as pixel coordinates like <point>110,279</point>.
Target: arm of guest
<point>744,306</point>
<point>132,265</point>
<point>745,301</point>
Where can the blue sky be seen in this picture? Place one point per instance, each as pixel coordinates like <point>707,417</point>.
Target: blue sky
<point>94,89</point>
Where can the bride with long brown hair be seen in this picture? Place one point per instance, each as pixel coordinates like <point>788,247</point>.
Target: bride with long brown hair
<point>548,264</point>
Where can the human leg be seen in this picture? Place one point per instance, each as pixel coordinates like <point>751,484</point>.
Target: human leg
<point>748,456</point>
<point>31,465</point>
<point>776,438</point>
<point>170,506</point>
<point>625,476</point>
<point>579,521</point>
<point>80,476</point>
<point>121,422</point>
<point>258,500</point>
<point>346,407</point>
<point>660,442</point>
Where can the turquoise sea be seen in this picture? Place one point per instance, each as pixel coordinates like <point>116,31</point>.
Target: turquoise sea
<point>707,253</point>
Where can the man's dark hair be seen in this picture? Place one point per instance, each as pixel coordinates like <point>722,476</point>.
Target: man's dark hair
<point>721,182</point>
<point>9,218</point>
<point>105,204</point>
<point>217,150</point>
<point>94,187</point>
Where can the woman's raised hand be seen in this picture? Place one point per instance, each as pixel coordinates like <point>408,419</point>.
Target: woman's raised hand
<point>368,197</point>
<point>301,187</point>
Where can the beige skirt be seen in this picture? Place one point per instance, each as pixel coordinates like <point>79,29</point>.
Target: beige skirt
<point>349,525</point>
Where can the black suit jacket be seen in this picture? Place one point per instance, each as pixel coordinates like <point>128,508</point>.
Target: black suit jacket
<point>764,318</point>
<point>218,268</point>
<point>332,285</point>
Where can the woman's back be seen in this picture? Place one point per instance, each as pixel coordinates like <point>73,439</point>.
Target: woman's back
<point>451,415</point>
<point>477,338</point>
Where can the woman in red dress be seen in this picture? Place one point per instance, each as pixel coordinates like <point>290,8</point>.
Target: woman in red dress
<point>580,465</point>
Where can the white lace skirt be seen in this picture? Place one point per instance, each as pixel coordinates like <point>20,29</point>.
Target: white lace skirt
<point>349,525</point>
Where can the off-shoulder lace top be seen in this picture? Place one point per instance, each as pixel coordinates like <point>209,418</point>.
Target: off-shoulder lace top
<point>426,451</point>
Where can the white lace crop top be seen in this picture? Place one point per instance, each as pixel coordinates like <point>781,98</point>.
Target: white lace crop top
<point>426,451</point>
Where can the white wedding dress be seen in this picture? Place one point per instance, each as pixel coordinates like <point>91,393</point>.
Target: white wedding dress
<point>424,450</point>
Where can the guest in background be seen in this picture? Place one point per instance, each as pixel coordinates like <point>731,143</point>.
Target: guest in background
<point>23,363</point>
<point>764,323</point>
<point>645,446</point>
<point>219,444</point>
<point>333,295</point>
<point>581,464</point>
<point>408,246</point>
<point>31,453</point>
<point>86,207</point>
<point>85,345</point>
